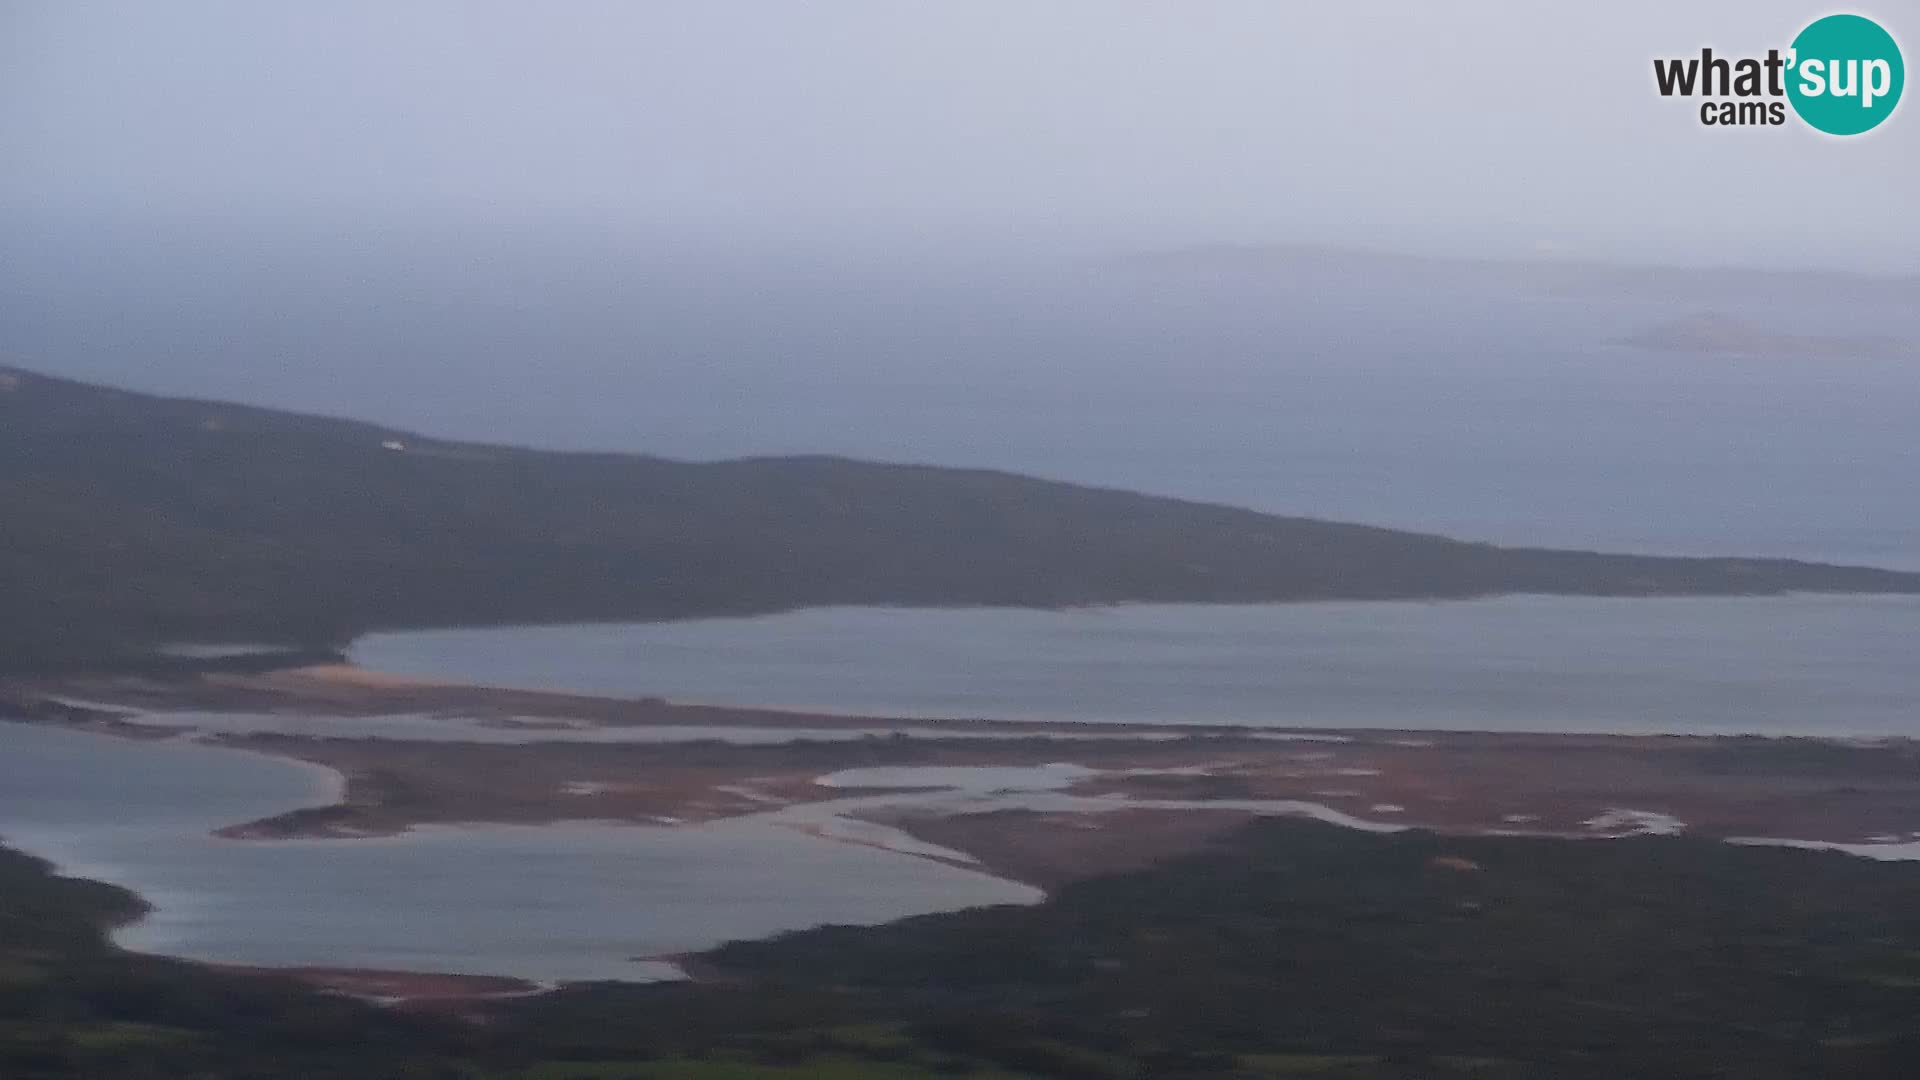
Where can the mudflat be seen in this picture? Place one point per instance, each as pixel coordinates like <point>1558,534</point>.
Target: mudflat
<point>1039,803</point>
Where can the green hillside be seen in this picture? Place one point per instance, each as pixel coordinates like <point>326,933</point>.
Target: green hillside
<point>127,519</point>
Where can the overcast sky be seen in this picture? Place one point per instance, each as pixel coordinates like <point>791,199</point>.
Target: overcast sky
<point>1498,126</point>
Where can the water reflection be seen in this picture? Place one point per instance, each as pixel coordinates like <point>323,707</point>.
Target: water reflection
<point>568,902</point>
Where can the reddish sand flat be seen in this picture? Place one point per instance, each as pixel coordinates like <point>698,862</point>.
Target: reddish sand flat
<point>396,986</point>
<point>1578,785</point>
<point>1051,850</point>
<point>1469,783</point>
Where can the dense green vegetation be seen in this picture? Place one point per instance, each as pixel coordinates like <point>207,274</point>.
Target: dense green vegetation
<point>1299,951</point>
<point>71,1006</point>
<point>127,520</point>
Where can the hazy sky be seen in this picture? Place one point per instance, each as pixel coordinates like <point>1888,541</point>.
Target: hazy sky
<point>1510,126</point>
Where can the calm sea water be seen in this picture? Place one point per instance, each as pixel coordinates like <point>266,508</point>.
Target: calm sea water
<point>1431,402</point>
<point>1804,664</point>
<point>555,902</point>
<point>1433,399</point>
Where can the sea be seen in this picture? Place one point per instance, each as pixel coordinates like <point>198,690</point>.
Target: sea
<point>1435,397</point>
<point>1451,397</point>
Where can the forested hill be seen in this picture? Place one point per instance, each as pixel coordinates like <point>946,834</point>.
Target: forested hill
<point>128,519</point>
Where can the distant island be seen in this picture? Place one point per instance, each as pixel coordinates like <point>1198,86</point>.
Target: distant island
<point>132,520</point>
<point>1308,265</point>
<point>1710,333</point>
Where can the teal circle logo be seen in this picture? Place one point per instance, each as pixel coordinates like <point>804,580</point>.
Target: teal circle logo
<point>1846,74</point>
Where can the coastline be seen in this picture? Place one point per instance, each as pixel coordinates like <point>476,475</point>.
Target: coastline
<point>1430,779</point>
<point>1644,665</point>
<point>1138,793</point>
<point>433,991</point>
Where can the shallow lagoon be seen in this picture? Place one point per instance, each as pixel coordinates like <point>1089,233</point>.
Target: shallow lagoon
<point>414,727</point>
<point>582,901</point>
<point>566,902</point>
<point>1824,665</point>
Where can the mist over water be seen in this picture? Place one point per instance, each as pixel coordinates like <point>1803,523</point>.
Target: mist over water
<point>717,229</point>
<point>1466,400</point>
<point>1404,264</point>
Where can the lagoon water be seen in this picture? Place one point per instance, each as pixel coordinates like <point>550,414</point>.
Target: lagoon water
<point>1819,665</point>
<point>1416,400</point>
<point>420,727</point>
<point>568,902</point>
